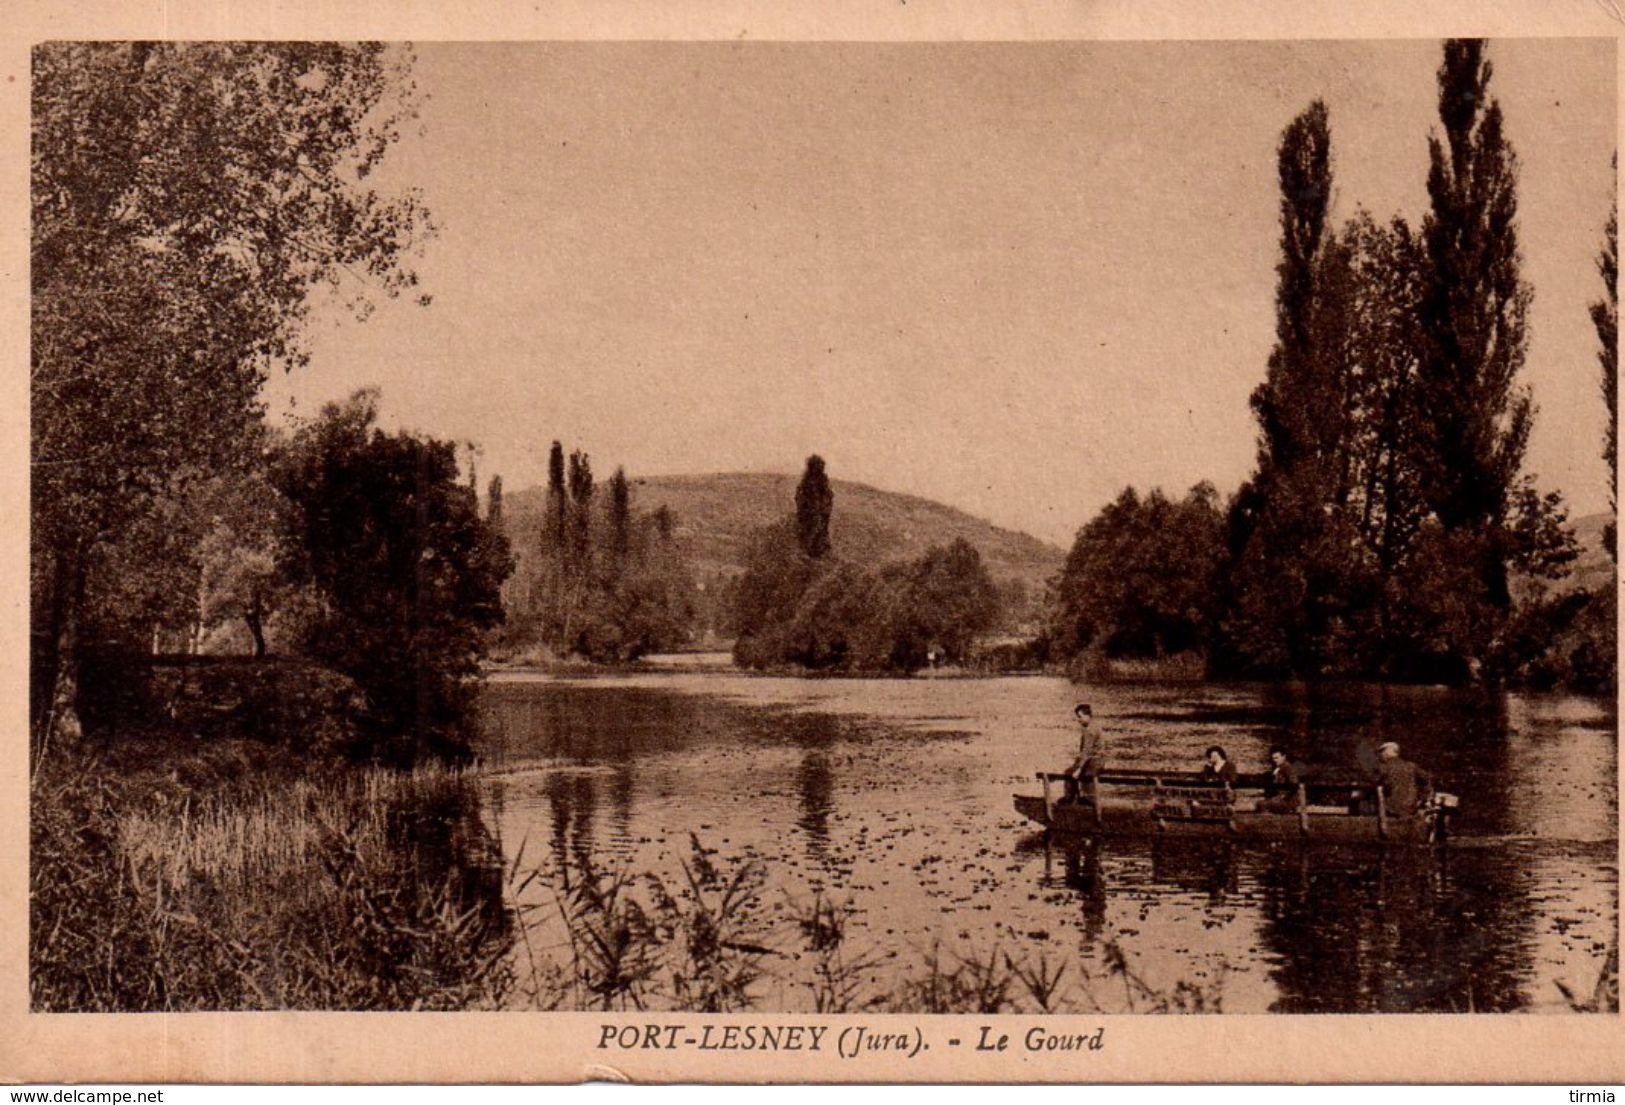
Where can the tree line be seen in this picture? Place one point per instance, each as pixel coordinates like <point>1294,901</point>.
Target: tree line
<point>599,580</point>
<point>1389,529</point>
<point>797,603</point>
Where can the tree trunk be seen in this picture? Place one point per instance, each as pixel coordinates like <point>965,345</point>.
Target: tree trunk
<point>256,627</point>
<point>63,729</point>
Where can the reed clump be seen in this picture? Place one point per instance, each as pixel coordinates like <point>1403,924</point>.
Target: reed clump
<point>359,888</point>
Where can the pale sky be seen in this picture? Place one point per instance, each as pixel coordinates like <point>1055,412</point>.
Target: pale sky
<point>1010,277</point>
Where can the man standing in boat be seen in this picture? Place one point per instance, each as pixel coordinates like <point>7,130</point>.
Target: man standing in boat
<point>1087,765</point>
<point>1403,783</point>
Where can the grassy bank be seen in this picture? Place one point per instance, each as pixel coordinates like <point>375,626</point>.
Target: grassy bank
<point>227,877</point>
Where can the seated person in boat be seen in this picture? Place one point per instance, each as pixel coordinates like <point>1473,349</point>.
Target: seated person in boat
<point>1087,764</point>
<point>1281,791</point>
<point>1218,769</point>
<point>1402,782</point>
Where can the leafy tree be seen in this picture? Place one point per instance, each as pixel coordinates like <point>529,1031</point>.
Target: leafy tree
<point>620,522</point>
<point>493,504</point>
<point>607,590</point>
<point>1313,591</point>
<point>1386,268</point>
<point>769,591</point>
<point>795,604</point>
<point>576,583</point>
<point>782,562</point>
<point>1605,317</point>
<point>814,503</point>
<point>541,594</point>
<point>186,199</point>
<point>1290,403</point>
<point>838,622</point>
<point>242,553</point>
<point>1293,620</point>
<point>558,504</point>
<point>581,493</point>
<point>940,603</point>
<point>1477,415</point>
<point>1389,509</point>
<point>645,606</point>
<point>1140,577</point>
<point>408,573</point>
<point>830,613</point>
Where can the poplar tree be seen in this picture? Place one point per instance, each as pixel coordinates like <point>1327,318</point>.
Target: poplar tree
<point>581,493</point>
<point>1477,416</point>
<point>493,503</point>
<point>814,502</point>
<point>1605,317</point>
<point>557,504</point>
<point>1287,403</point>
<point>620,522</point>
<point>1290,573</point>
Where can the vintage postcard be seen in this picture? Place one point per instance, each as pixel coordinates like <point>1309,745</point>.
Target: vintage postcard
<point>916,542</point>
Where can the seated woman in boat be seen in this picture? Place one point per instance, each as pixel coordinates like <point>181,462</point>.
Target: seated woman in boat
<point>1087,763</point>
<point>1281,791</point>
<point>1218,769</point>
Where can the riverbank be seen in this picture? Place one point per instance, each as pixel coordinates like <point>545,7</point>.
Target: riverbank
<point>232,875</point>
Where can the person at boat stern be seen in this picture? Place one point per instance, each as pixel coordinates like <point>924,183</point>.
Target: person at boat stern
<point>1087,763</point>
<point>1402,781</point>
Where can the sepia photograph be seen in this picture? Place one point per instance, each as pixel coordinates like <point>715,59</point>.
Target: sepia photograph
<point>1064,529</point>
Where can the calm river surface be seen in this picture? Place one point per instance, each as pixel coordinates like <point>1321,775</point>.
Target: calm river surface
<point>895,796</point>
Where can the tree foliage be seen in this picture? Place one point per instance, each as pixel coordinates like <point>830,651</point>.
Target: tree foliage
<point>1390,510</point>
<point>1292,432</point>
<point>1605,317</point>
<point>821,612</point>
<point>242,553</point>
<point>408,573</point>
<point>186,200</point>
<point>603,582</point>
<point>936,605</point>
<point>1141,577</point>
<point>1476,414</point>
<point>814,501</point>
<point>1299,414</point>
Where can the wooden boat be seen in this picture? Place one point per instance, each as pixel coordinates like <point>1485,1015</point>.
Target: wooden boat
<point>1176,803</point>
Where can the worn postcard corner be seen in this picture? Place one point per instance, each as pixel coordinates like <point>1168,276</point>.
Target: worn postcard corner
<point>915,543</point>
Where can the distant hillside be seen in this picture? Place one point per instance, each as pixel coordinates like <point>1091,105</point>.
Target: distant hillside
<point>717,514</point>
<point>1595,568</point>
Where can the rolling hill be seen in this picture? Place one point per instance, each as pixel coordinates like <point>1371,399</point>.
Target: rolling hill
<point>717,514</point>
<point>1594,569</point>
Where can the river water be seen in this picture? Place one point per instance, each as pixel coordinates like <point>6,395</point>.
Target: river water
<point>893,798</point>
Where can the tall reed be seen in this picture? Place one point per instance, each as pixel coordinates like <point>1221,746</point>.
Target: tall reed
<point>705,943</point>
<point>358,889</point>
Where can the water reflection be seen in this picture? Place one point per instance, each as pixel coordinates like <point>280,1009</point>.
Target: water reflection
<point>815,786</point>
<point>1081,871</point>
<point>896,796</point>
<point>1343,929</point>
